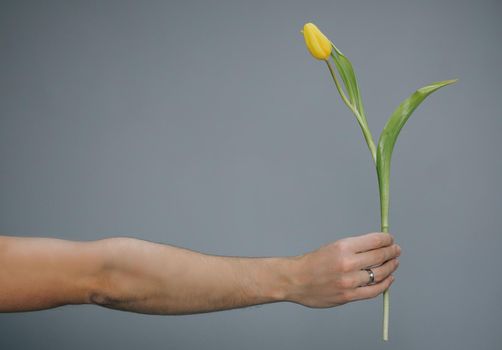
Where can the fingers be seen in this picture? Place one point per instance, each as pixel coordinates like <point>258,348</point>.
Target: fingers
<point>370,291</point>
<point>361,278</point>
<point>369,241</point>
<point>377,256</point>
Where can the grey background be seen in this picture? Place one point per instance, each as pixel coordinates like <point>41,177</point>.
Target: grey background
<point>206,124</point>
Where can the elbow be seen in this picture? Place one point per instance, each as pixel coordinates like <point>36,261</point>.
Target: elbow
<point>109,283</point>
<point>102,299</point>
<point>103,290</point>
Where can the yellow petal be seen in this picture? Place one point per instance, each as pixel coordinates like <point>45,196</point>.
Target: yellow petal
<point>317,43</point>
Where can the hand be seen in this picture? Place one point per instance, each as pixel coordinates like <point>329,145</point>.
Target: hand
<point>332,275</point>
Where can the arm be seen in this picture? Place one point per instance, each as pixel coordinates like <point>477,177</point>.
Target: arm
<point>139,276</point>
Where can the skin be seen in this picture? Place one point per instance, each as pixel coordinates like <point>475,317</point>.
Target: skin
<point>139,276</point>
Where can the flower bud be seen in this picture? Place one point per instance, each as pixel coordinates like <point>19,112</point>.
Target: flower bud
<point>317,43</point>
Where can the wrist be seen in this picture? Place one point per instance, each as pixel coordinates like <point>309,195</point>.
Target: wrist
<point>280,278</point>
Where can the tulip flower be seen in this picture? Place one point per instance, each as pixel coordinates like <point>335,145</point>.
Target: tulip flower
<point>317,43</point>
<point>381,154</point>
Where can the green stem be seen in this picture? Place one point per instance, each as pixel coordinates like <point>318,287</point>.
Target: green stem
<point>386,305</point>
<point>369,142</point>
<point>340,90</point>
<point>384,217</point>
<point>384,189</point>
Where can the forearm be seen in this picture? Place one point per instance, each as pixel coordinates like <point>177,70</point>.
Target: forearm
<point>154,278</point>
<point>133,275</point>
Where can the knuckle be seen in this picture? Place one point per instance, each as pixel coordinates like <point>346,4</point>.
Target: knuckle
<point>391,238</point>
<point>346,264</point>
<point>379,289</point>
<point>341,245</point>
<point>375,292</point>
<point>392,252</point>
<point>346,282</point>
<point>387,254</point>
<point>395,249</point>
<point>385,285</point>
<point>392,267</point>
<point>381,255</point>
<point>379,239</point>
<point>385,271</point>
<point>398,249</point>
<point>380,274</point>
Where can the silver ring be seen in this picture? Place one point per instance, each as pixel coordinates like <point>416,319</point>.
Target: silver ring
<point>372,275</point>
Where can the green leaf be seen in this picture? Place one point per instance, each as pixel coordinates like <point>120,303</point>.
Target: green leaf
<point>389,136</point>
<point>346,72</point>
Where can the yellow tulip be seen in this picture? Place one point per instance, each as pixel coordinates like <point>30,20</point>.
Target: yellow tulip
<point>317,43</point>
